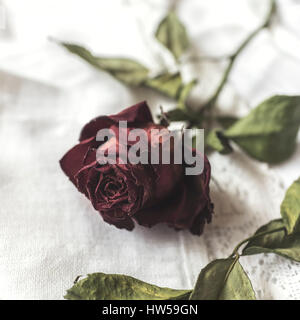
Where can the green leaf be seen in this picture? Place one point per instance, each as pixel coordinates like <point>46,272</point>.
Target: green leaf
<point>166,83</point>
<point>223,279</point>
<point>101,286</point>
<point>125,70</point>
<point>215,140</point>
<point>172,34</point>
<point>279,242</point>
<point>227,121</point>
<point>182,115</point>
<point>290,208</point>
<point>184,93</point>
<point>269,132</point>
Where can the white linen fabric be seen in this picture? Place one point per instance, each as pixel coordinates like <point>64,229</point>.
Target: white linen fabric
<point>49,233</point>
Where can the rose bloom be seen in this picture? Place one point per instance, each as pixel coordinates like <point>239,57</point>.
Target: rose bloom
<point>147,194</point>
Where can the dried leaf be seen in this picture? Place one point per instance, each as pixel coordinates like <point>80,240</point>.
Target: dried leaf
<point>215,140</point>
<point>223,279</point>
<point>184,93</point>
<point>290,208</point>
<point>125,70</point>
<point>227,121</point>
<point>166,83</point>
<point>269,132</point>
<point>172,34</point>
<point>279,242</point>
<point>101,286</point>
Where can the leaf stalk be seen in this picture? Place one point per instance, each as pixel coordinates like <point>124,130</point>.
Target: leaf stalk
<point>236,249</point>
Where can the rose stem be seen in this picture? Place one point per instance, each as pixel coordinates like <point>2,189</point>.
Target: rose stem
<point>211,102</point>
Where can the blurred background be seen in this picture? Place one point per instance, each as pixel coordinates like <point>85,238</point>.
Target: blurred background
<point>49,233</point>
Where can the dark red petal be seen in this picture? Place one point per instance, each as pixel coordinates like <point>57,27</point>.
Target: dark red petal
<point>91,128</point>
<point>204,217</point>
<point>82,175</point>
<point>188,207</point>
<point>126,223</point>
<point>138,113</point>
<point>168,176</point>
<point>74,159</point>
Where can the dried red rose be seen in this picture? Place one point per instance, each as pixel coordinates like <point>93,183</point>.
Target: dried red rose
<point>146,193</point>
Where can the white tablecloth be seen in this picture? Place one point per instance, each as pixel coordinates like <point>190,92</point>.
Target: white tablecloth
<point>49,233</point>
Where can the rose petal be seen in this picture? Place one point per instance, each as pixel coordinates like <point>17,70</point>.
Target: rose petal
<point>91,128</point>
<point>138,113</point>
<point>73,160</point>
<point>168,176</point>
<point>188,207</point>
<point>126,223</point>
